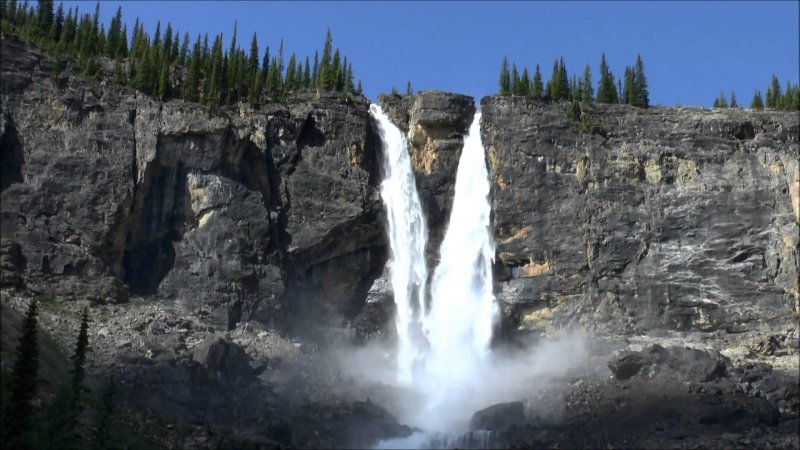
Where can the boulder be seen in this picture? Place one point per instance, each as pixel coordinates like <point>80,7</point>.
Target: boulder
<point>498,417</point>
<point>222,360</point>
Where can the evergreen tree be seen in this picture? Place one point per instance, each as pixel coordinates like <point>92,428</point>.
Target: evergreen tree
<point>505,78</point>
<point>524,85</point>
<point>163,81</point>
<point>642,93</point>
<point>721,101</point>
<point>183,53</point>
<point>315,71</point>
<point>101,433</point>
<point>408,88</point>
<point>629,89</point>
<point>114,34</point>
<point>44,17</point>
<point>57,25</point>
<point>514,79</point>
<point>252,61</point>
<point>290,74</point>
<point>757,103</point>
<point>325,63</point>
<point>24,382</point>
<point>776,93</point>
<point>307,75</point>
<point>733,103</point>
<point>587,92</point>
<point>334,75</point>
<point>537,89</point>
<point>606,89</point>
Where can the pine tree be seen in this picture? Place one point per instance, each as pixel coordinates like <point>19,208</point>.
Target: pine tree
<point>163,81</point>
<point>183,53</point>
<point>587,93</point>
<point>537,89</point>
<point>505,78</point>
<point>79,357</point>
<point>757,103</point>
<point>335,73</point>
<point>57,25</point>
<point>24,381</point>
<point>290,74</point>
<point>629,95</point>
<point>776,93</point>
<point>606,89</point>
<point>408,88</point>
<point>325,63</point>
<point>307,75</point>
<point>721,101</point>
<point>101,432</point>
<point>733,103</point>
<point>514,79</point>
<point>642,93</point>
<point>114,34</point>
<point>315,71</point>
<point>524,85</point>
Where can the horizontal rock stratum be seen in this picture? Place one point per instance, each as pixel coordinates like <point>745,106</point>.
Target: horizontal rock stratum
<point>624,221</point>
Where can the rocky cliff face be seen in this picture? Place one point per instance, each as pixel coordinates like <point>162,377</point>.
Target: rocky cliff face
<point>238,214</point>
<point>662,218</point>
<point>633,220</point>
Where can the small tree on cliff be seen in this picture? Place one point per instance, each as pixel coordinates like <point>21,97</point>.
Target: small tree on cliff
<point>505,78</point>
<point>537,87</point>
<point>757,102</point>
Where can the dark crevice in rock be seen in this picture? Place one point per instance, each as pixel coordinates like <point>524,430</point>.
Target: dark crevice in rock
<point>373,154</point>
<point>159,218</point>
<point>11,156</point>
<point>310,135</point>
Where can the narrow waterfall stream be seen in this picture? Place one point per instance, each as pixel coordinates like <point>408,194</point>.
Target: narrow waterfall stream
<point>408,236</point>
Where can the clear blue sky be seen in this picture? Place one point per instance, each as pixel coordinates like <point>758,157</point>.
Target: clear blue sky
<point>691,50</point>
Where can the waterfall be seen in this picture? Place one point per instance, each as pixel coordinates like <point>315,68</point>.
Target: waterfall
<point>447,360</point>
<point>408,236</point>
<point>463,309</point>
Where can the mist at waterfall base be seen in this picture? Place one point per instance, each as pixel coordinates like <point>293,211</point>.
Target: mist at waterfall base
<point>442,367</point>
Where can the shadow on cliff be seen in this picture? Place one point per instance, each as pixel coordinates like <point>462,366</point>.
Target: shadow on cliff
<point>11,155</point>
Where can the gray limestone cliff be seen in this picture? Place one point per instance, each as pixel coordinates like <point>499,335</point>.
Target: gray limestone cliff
<point>631,220</point>
<point>680,219</point>
<point>239,213</point>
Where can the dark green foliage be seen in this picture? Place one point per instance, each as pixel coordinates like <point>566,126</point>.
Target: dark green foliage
<point>787,99</point>
<point>721,101</point>
<point>641,93</point>
<point>537,88</point>
<point>733,103</point>
<point>505,78</point>
<point>628,90</point>
<point>101,432</point>
<point>409,91</point>
<point>514,79</point>
<point>524,85</point>
<point>24,384</point>
<point>558,85</point>
<point>587,91</point>
<point>574,111</point>
<point>757,102</point>
<point>163,66</point>
<point>606,90</point>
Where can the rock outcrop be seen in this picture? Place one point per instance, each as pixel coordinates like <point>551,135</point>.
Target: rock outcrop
<point>662,218</point>
<point>241,213</point>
